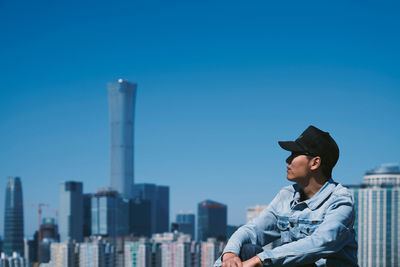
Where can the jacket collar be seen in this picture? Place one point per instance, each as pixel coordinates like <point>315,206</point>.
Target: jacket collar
<point>315,201</point>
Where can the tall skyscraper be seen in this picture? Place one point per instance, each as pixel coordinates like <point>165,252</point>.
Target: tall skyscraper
<point>121,95</point>
<point>185,222</point>
<point>13,218</point>
<point>109,213</point>
<point>71,211</point>
<point>377,205</point>
<point>212,220</point>
<point>87,215</point>
<point>140,217</point>
<point>162,209</point>
<point>159,198</point>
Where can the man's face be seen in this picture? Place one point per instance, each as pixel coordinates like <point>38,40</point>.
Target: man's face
<point>298,167</point>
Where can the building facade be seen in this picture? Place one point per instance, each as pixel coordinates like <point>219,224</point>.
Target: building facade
<point>377,205</point>
<point>186,223</point>
<point>212,220</point>
<point>63,254</point>
<point>71,211</point>
<point>210,251</point>
<point>109,214</point>
<point>121,96</point>
<point>175,254</point>
<point>97,254</point>
<point>87,215</point>
<point>159,201</point>
<point>137,254</point>
<point>13,218</point>
<point>140,217</point>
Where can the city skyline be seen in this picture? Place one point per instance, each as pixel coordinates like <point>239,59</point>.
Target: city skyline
<point>216,94</point>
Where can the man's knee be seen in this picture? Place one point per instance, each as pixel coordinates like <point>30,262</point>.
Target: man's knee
<point>248,251</point>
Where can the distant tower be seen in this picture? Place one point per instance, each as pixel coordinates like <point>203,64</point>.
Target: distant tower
<point>71,211</point>
<point>185,223</point>
<point>377,206</point>
<point>13,218</point>
<point>121,96</point>
<point>158,195</point>
<point>212,220</point>
<point>109,214</point>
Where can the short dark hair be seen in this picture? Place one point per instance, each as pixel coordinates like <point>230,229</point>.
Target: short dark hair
<point>326,169</point>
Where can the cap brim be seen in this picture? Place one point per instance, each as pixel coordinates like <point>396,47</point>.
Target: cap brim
<point>291,146</point>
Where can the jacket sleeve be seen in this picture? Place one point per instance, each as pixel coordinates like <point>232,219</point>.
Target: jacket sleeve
<point>331,236</point>
<point>260,231</point>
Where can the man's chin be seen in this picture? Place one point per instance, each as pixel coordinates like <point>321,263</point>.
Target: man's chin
<point>291,178</point>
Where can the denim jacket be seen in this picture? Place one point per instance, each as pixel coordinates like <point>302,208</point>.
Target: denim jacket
<point>319,229</point>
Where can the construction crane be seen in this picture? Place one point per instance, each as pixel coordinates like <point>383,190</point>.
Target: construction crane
<point>39,206</point>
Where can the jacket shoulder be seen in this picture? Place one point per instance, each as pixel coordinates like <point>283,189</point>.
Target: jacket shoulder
<point>342,192</point>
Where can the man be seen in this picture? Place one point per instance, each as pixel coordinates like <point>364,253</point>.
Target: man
<point>314,218</point>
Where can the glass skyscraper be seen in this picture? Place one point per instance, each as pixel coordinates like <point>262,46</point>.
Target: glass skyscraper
<point>109,214</point>
<point>377,217</point>
<point>71,211</point>
<point>212,220</point>
<point>140,217</point>
<point>13,218</point>
<point>185,223</point>
<point>159,198</point>
<point>121,95</point>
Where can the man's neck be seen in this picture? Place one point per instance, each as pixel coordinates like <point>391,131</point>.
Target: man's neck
<point>311,188</point>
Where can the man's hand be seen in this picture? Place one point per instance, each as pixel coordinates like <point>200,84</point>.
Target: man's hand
<point>231,260</point>
<point>253,262</point>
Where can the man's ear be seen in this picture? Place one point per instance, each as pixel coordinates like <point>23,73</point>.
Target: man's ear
<point>315,163</point>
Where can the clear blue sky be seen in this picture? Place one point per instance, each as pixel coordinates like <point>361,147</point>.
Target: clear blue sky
<point>219,83</point>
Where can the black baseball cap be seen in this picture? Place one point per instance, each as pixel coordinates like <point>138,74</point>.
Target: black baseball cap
<point>314,142</point>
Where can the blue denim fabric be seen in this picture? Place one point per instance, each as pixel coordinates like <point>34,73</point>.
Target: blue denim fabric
<point>312,230</point>
<point>248,251</point>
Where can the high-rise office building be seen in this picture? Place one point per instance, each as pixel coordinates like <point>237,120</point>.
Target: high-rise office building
<point>162,209</point>
<point>159,199</point>
<point>140,217</point>
<point>71,211</point>
<point>87,215</point>
<point>121,95</point>
<point>212,220</point>
<point>13,218</point>
<point>377,206</point>
<point>109,213</point>
<point>185,223</point>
